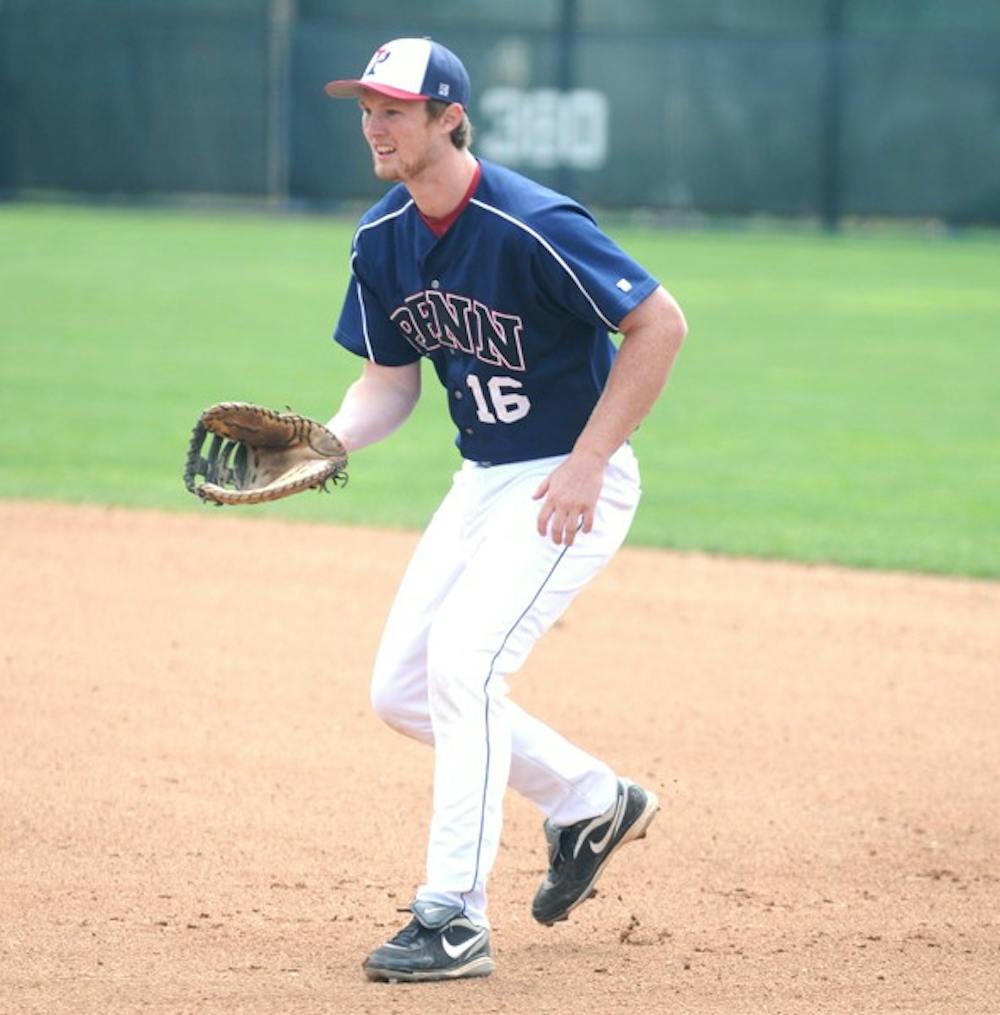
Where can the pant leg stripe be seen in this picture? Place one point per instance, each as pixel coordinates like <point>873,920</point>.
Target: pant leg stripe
<point>486,711</point>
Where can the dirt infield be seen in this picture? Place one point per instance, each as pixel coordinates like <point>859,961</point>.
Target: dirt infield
<point>183,829</point>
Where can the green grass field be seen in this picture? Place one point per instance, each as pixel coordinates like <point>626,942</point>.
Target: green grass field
<point>838,398</point>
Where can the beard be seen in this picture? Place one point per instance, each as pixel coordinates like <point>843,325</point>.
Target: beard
<point>399,170</point>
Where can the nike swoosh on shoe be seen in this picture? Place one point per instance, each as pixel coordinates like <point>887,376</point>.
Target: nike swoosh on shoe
<point>457,951</point>
<point>614,822</point>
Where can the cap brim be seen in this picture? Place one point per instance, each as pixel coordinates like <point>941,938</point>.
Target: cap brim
<point>355,89</point>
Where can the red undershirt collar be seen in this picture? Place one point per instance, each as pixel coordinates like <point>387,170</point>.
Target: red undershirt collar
<point>439,226</point>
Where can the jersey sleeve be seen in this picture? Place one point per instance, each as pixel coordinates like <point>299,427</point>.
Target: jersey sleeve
<point>585,272</point>
<point>364,327</point>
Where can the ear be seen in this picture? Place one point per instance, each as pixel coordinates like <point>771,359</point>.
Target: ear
<point>451,117</point>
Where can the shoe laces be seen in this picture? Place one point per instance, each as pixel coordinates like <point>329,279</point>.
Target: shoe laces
<point>410,933</point>
<point>561,847</point>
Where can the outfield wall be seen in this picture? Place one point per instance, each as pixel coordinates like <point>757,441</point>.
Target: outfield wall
<point>823,108</point>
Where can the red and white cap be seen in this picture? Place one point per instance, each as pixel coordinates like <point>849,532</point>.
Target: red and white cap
<point>410,69</point>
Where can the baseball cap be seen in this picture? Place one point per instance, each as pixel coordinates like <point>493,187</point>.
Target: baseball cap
<point>410,69</point>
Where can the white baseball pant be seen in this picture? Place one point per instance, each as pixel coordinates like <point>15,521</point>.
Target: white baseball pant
<point>481,588</point>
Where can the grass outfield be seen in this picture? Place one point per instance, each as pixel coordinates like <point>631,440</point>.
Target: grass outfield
<point>838,399</point>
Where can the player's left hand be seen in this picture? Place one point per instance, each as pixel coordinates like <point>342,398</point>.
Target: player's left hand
<point>569,496</point>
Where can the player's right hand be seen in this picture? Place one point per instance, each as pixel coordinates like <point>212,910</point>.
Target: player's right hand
<point>569,497</point>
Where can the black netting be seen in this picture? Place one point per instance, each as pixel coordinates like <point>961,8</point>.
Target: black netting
<point>716,106</point>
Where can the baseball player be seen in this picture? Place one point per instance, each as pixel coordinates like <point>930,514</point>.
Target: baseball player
<point>511,291</point>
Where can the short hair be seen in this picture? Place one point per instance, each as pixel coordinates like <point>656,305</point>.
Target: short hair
<point>461,136</point>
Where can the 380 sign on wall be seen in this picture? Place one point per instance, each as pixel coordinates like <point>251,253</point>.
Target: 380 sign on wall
<point>545,128</point>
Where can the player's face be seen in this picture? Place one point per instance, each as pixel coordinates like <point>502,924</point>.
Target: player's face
<point>402,139</point>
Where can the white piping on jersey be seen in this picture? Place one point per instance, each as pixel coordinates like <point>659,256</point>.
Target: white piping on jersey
<point>354,255</point>
<point>364,313</point>
<point>384,218</point>
<point>548,246</point>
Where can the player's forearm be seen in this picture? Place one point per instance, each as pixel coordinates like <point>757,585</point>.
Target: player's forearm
<point>650,345</point>
<point>634,385</point>
<point>374,406</point>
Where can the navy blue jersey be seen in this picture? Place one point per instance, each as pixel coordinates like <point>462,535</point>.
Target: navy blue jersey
<point>513,306</point>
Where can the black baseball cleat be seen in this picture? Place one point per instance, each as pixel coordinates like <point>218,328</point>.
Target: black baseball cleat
<point>578,853</point>
<point>437,944</point>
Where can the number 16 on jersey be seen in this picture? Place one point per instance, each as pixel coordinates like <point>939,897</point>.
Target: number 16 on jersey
<point>499,401</point>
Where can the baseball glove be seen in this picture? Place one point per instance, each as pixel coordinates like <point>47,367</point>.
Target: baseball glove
<point>256,454</point>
